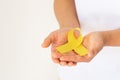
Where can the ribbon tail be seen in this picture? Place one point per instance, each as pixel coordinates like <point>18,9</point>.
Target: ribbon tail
<point>81,50</point>
<point>64,48</point>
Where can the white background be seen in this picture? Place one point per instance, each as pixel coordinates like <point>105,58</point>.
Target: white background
<point>23,26</point>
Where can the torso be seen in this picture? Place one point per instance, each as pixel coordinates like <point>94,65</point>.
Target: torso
<point>98,14</point>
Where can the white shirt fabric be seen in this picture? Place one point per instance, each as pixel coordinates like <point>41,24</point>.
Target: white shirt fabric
<point>97,15</point>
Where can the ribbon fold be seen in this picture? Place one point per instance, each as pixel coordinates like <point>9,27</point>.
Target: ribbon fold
<point>73,44</point>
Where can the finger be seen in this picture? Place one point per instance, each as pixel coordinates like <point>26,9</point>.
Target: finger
<point>68,58</point>
<point>47,41</point>
<point>77,33</point>
<point>90,53</point>
<point>63,63</point>
<point>74,63</point>
<point>55,53</point>
<point>90,56</point>
<point>75,58</point>
<point>71,63</point>
<point>56,60</point>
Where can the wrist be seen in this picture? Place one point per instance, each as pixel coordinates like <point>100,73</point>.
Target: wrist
<point>106,38</point>
<point>69,26</point>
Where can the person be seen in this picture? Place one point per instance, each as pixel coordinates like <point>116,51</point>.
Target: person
<point>99,21</point>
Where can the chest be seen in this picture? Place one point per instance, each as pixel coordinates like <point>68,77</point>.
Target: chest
<point>99,6</point>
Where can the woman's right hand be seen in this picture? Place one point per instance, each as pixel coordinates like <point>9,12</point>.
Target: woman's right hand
<point>94,42</point>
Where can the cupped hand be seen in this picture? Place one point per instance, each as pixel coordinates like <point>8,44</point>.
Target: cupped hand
<point>94,42</point>
<point>57,38</point>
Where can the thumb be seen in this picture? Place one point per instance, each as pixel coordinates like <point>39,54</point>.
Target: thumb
<point>68,58</point>
<point>77,33</point>
<point>90,53</point>
<point>47,41</point>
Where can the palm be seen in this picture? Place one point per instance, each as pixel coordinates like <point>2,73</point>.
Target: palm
<point>59,38</point>
<point>93,42</point>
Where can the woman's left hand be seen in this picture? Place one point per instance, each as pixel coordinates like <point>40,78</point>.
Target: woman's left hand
<point>94,42</point>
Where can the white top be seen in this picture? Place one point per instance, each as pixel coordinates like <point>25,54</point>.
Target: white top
<point>97,15</point>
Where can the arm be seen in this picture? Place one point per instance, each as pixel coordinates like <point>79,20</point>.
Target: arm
<point>112,37</point>
<point>65,13</point>
<point>66,16</point>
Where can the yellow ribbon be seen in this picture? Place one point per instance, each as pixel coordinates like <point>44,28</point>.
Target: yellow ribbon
<point>73,44</point>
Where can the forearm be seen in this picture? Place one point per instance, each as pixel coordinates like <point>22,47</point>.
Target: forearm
<point>65,13</point>
<point>112,37</point>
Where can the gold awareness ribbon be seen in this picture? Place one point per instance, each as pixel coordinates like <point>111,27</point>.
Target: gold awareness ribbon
<point>73,44</point>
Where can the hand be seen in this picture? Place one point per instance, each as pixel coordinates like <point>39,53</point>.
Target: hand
<point>57,38</point>
<point>94,42</point>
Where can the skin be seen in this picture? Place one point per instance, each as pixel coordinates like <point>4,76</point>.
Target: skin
<point>94,42</point>
<point>57,38</point>
<point>67,18</point>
